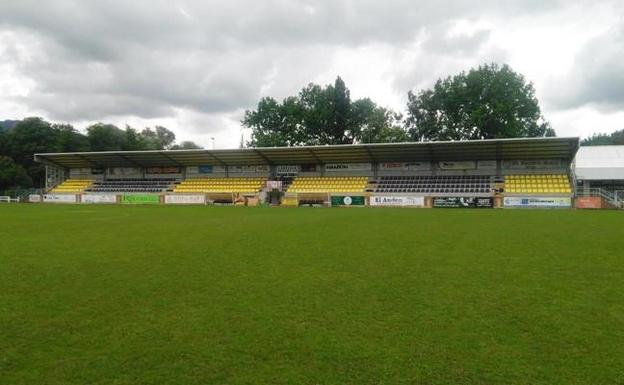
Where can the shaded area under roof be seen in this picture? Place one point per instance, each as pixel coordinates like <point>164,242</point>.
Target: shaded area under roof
<point>490,149</point>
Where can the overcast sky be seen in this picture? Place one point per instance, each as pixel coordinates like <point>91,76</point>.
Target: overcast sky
<point>195,66</point>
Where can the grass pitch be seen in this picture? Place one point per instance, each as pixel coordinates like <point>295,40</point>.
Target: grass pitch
<point>223,295</point>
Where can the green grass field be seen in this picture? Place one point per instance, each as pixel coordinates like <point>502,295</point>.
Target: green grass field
<point>224,295</point>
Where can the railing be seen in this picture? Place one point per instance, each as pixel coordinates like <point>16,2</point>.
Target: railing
<point>8,199</point>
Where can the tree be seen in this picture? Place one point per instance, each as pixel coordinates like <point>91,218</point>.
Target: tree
<point>321,115</point>
<point>12,175</point>
<point>158,139</point>
<point>106,137</point>
<point>615,138</point>
<point>490,101</point>
<point>373,124</point>
<point>186,145</point>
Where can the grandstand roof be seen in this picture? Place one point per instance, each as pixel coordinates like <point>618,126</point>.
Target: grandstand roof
<point>517,148</point>
<point>600,163</point>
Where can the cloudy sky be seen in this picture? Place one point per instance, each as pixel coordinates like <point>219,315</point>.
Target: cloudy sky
<point>195,66</point>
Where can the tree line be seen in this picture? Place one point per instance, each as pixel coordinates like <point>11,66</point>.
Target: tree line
<point>19,140</point>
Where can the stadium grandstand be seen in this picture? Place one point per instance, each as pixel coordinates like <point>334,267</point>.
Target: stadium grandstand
<point>523,172</point>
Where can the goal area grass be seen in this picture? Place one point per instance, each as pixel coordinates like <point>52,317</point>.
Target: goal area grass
<point>94,294</point>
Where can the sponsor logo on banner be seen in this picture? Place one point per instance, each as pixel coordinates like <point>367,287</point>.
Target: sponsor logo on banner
<point>34,198</point>
<point>140,199</point>
<point>348,200</point>
<point>383,200</point>
<point>59,198</point>
<point>459,202</point>
<point>163,170</point>
<point>537,202</point>
<point>531,164</point>
<point>185,199</point>
<point>413,166</point>
<point>98,198</point>
<point>458,165</point>
<point>205,169</point>
<point>287,169</point>
<point>334,167</point>
<point>249,169</point>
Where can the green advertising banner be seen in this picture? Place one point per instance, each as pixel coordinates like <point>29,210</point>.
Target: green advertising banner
<point>140,199</point>
<point>348,200</point>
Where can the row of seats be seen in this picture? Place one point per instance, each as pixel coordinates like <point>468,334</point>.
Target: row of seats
<point>207,185</point>
<point>461,184</point>
<point>329,184</point>
<point>73,185</point>
<point>535,184</point>
<point>133,185</point>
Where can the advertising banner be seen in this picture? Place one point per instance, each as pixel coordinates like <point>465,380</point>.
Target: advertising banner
<point>348,200</point>
<point>205,169</point>
<point>248,169</point>
<point>537,202</point>
<point>98,198</point>
<point>399,166</point>
<point>309,167</point>
<point>457,165</point>
<point>461,202</point>
<point>588,203</point>
<point>59,198</point>
<point>287,169</point>
<point>34,198</point>
<point>337,167</point>
<point>531,164</point>
<point>185,199</point>
<point>403,201</point>
<point>140,199</point>
<point>124,171</point>
<point>486,164</point>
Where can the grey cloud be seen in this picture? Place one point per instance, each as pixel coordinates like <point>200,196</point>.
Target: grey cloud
<point>93,60</point>
<point>597,78</point>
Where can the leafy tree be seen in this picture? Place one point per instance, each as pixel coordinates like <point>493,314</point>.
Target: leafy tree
<point>70,140</point>
<point>106,137</point>
<point>373,124</point>
<point>186,145</point>
<point>490,101</point>
<point>12,175</point>
<point>615,138</point>
<point>321,115</point>
<point>158,139</point>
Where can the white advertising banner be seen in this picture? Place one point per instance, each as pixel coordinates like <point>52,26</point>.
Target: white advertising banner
<point>34,198</point>
<point>458,165</point>
<point>531,164</point>
<point>185,199</point>
<point>537,202</point>
<point>59,198</point>
<point>337,167</point>
<point>287,169</point>
<point>399,166</point>
<point>381,200</point>
<point>98,198</point>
